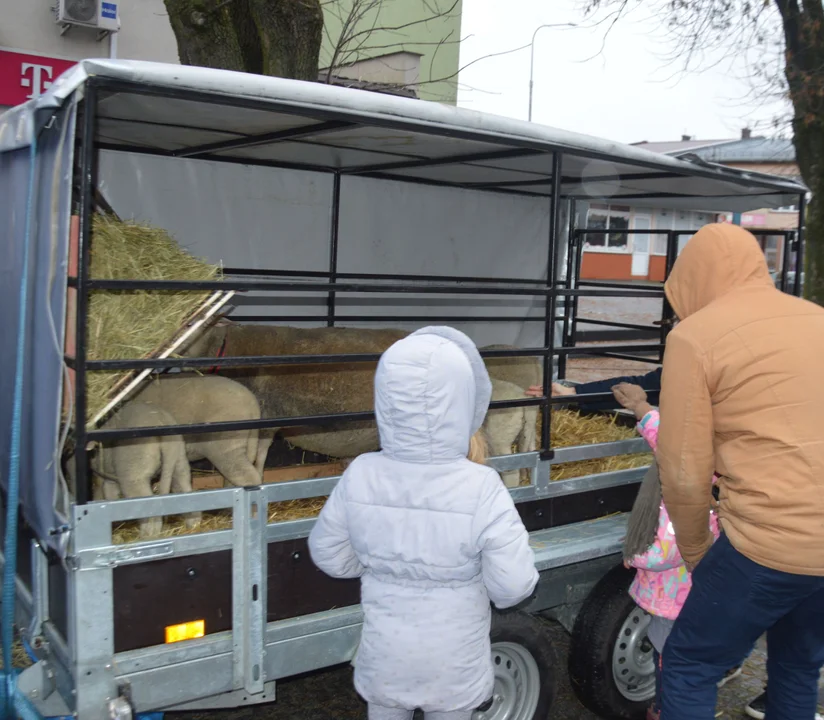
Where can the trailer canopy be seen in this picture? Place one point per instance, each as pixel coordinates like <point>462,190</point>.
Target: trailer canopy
<point>182,111</point>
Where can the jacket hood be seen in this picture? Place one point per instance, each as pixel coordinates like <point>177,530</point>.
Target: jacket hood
<point>432,392</point>
<point>718,259</point>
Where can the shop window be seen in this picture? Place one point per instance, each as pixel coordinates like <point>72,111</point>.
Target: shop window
<point>614,221</point>
<point>659,244</point>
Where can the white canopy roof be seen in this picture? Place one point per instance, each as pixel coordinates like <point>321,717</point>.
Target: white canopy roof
<point>183,111</point>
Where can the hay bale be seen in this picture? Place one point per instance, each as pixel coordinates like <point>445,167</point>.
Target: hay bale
<point>133,324</point>
<point>568,429</point>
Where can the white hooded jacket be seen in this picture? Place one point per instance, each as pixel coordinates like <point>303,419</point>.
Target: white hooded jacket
<point>433,536</point>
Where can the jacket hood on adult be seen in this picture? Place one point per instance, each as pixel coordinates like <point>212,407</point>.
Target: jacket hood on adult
<point>432,392</point>
<point>718,259</point>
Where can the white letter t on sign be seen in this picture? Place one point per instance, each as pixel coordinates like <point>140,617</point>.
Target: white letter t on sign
<point>40,79</point>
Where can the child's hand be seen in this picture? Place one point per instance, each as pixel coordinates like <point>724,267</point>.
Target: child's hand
<point>633,398</point>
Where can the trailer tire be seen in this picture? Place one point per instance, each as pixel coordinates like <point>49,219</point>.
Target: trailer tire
<point>523,659</point>
<point>611,665</point>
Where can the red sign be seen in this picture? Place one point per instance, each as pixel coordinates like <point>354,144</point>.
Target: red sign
<point>23,77</point>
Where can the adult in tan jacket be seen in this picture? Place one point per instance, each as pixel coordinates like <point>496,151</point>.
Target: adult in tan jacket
<point>743,395</point>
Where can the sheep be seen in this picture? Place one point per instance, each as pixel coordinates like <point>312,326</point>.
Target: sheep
<point>285,391</point>
<point>238,455</point>
<point>509,426</point>
<point>125,468</point>
<point>521,371</point>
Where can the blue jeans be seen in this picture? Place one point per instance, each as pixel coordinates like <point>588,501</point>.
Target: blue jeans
<point>733,601</point>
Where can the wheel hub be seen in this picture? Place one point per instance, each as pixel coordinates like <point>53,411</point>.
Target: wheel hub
<point>633,664</point>
<point>517,684</point>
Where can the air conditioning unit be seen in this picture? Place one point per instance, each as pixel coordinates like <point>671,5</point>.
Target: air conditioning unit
<point>98,14</point>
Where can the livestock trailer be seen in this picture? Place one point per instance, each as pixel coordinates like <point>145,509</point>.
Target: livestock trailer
<point>327,206</point>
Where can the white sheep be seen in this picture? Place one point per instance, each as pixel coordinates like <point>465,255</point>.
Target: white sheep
<point>238,455</point>
<point>510,426</point>
<point>126,468</point>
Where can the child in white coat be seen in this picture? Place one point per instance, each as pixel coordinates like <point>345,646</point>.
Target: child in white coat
<point>432,535</point>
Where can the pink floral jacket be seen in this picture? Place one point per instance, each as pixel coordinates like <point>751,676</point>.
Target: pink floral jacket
<point>662,582</point>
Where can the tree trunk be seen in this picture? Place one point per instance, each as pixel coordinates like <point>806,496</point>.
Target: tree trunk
<point>809,149</point>
<point>290,33</point>
<point>265,37</point>
<point>803,26</point>
<point>205,34</point>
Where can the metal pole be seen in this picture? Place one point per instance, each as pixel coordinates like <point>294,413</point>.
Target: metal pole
<point>87,184</point>
<point>532,58</point>
<point>333,249</point>
<point>667,313</point>
<point>570,259</point>
<point>549,326</point>
<point>799,253</point>
<point>786,249</point>
<point>578,247</point>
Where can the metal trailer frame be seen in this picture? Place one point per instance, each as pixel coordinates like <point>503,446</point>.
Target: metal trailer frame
<point>792,247</point>
<point>67,607</point>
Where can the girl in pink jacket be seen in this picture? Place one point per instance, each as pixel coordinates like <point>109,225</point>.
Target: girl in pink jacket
<point>662,581</point>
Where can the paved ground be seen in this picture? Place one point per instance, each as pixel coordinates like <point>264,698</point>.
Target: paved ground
<point>640,311</point>
<point>329,695</point>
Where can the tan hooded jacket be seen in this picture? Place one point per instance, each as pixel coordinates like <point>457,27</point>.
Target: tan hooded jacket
<point>743,395</point>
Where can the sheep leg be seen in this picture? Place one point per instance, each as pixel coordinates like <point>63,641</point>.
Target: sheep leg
<point>107,490</point>
<point>502,427</point>
<point>168,448</point>
<point>149,527</point>
<point>265,439</point>
<point>230,460</point>
<point>182,483</point>
<point>135,464</point>
<point>528,439</point>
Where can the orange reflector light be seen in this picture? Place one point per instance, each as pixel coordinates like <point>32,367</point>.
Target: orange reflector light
<point>185,631</point>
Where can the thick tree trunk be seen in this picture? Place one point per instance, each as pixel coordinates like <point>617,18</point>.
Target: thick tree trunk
<point>290,33</point>
<point>809,149</point>
<point>205,33</point>
<point>803,25</point>
<point>266,37</point>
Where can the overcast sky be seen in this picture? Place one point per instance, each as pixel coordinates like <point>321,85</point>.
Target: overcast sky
<point>625,93</point>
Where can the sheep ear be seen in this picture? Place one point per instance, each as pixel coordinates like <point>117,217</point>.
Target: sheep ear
<point>223,321</point>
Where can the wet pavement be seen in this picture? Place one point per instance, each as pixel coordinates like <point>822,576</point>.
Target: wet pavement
<point>637,310</point>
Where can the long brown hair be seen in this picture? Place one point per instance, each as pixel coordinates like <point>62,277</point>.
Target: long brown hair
<point>478,448</point>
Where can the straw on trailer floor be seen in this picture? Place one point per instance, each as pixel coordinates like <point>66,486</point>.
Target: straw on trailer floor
<point>568,429</point>
<point>19,657</point>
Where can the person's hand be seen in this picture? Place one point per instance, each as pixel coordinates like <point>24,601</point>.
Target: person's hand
<point>558,390</point>
<point>633,398</point>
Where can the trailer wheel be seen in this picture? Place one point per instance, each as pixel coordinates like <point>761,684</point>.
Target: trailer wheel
<point>524,662</point>
<point>611,662</point>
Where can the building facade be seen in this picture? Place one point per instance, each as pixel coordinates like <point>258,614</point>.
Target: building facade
<point>410,45</point>
<point>617,255</point>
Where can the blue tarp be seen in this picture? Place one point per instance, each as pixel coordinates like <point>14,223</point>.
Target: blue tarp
<point>46,312</point>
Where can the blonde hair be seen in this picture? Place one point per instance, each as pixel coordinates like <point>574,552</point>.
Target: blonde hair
<point>478,448</point>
